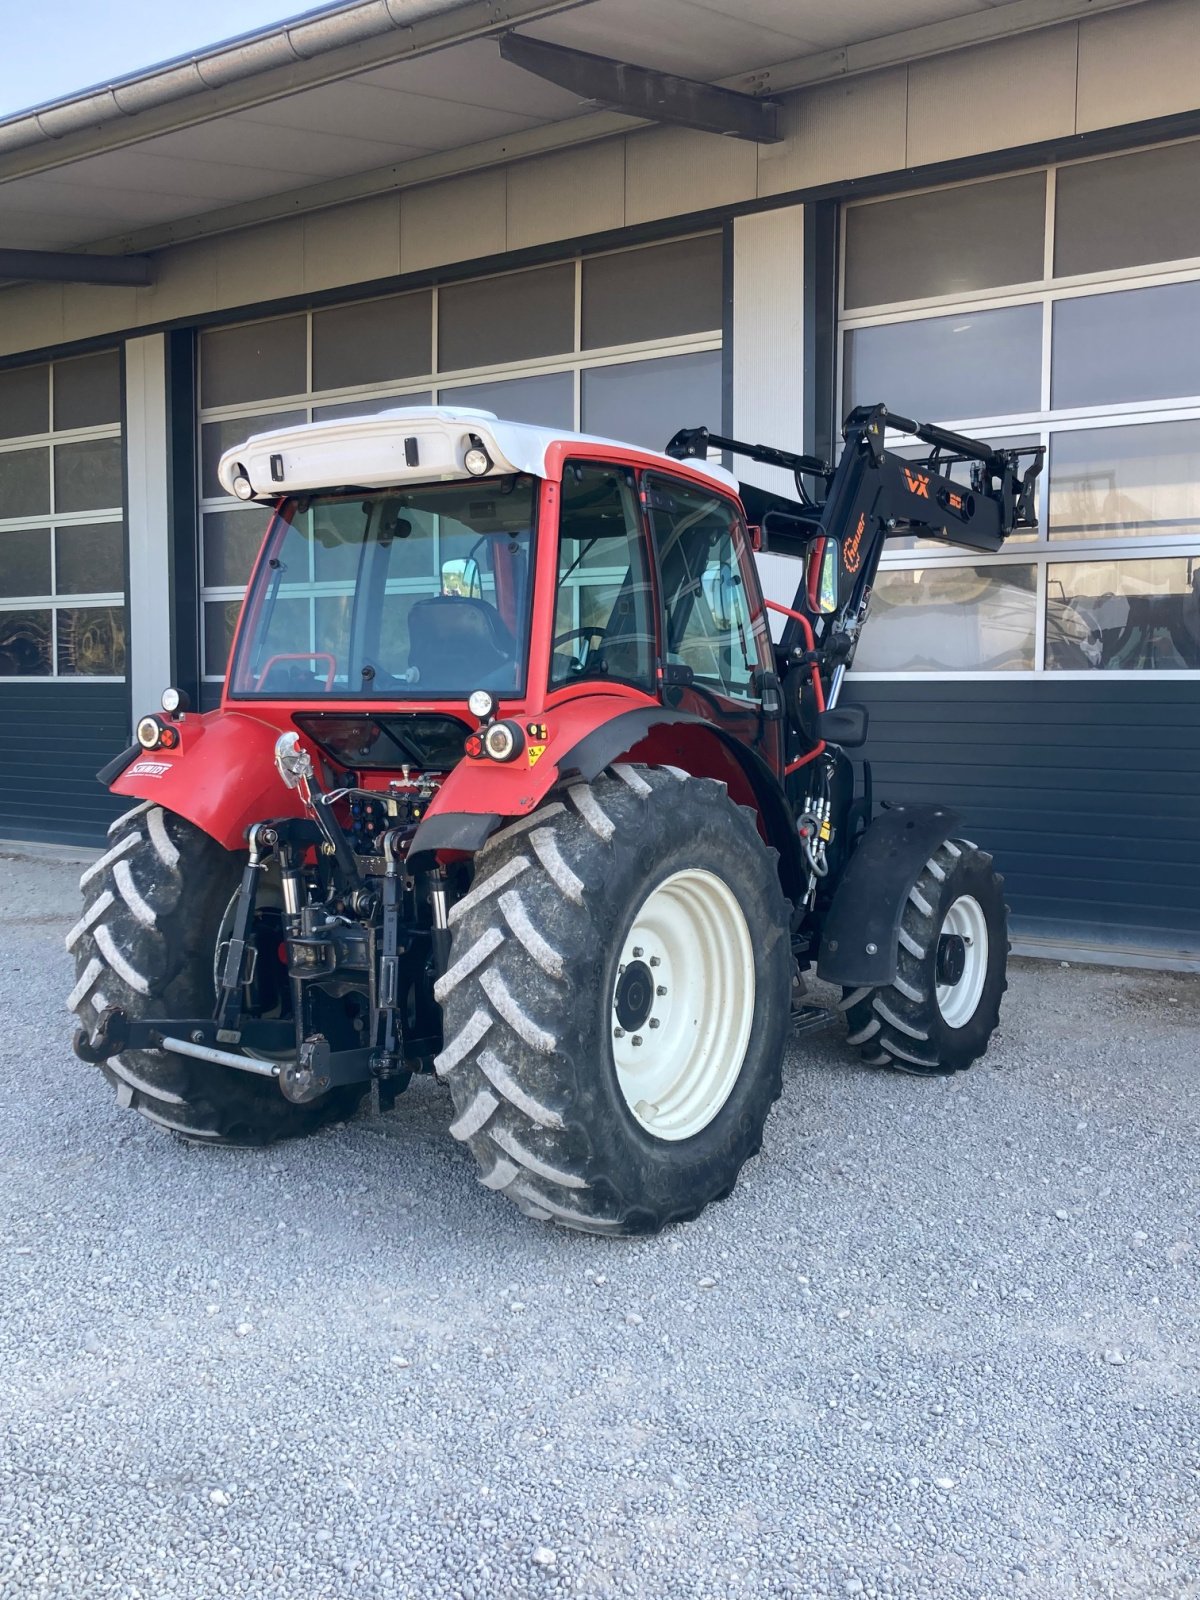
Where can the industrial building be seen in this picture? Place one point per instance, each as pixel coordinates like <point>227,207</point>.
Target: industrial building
<point>985,213</point>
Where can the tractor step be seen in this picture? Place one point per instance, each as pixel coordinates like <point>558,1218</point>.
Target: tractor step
<point>813,1019</point>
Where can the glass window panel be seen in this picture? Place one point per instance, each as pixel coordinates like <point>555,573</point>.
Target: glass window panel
<point>547,400</point>
<point>24,483</point>
<point>217,437</point>
<point>941,369</point>
<point>220,619</point>
<point>372,341</point>
<point>949,241</point>
<point>1127,211</point>
<point>513,318</point>
<point>89,559</point>
<point>25,562</point>
<point>24,401</point>
<point>951,619</point>
<point>604,612</point>
<point>91,641</point>
<point>87,391</point>
<point>25,644</point>
<point>1124,614</point>
<point>231,542</point>
<point>706,614</point>
<point>253,361</point>
<point>1108,483</point>
<point>371,408</point>
<point>646,402</point>
<point>655,293</point>
<point>1137,344</point>
<point>87,475</point>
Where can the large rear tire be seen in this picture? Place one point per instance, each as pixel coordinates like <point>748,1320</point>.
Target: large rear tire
<point>617,1002</point>
<point>940,1011</point>
<point>154,904</point>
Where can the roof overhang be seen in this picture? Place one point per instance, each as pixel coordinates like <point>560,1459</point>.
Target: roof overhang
<point>372,96</point>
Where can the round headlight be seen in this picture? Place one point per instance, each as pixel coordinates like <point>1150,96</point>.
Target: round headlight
<point>503,741</point>
<point>175,702</point>
<point>149,733</point>
<point>481,704</point>
<point>242,487</point>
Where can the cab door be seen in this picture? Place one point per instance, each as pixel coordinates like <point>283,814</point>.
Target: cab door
<point>715,642</point>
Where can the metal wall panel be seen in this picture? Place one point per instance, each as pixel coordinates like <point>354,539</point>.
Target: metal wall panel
<point>454,221</point>
<point>1012,92</point>
<point>840,130</point>
<point>262,263</point>
<point>671,169</point>
<point>55,737</point>
<point>367,232</point>
<point>567,194</point>
<point>1085,792</point>
<point>768,337</point>
<point>147,513</point>
<point>1144,62</point>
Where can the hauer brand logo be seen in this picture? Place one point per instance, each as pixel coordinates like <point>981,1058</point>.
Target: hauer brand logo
<point>149,769</point>
<point>852,555</point>
<point>918,483</point>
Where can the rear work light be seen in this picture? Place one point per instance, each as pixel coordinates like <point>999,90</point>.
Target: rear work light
<point>155,734</point>
<point>476,459</point>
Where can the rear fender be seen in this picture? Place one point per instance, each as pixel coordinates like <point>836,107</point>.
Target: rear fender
<point>222,777</point>
<point>860,938</point>
<point>588,736</point>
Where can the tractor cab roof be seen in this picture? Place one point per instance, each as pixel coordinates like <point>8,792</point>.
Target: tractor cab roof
<point>413,444</point>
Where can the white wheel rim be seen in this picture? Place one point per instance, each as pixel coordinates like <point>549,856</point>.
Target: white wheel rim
<point>678,1067</point>
<point>957,1002</point>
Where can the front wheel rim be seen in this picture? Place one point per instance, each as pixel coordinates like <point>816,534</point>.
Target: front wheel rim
<point>682,1004</point>
<point>959,1000</point>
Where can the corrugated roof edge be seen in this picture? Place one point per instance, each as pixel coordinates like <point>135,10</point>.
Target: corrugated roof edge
<point>298,38</point>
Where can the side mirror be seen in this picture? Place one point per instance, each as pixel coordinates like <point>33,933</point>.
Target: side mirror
<point>463,577</point>
<point>843,725</point>
<point>823,564</point>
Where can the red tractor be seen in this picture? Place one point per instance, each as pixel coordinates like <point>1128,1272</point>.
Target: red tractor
<point>510,783</point>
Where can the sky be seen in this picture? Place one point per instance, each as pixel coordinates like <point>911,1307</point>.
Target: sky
<point>57,47</point>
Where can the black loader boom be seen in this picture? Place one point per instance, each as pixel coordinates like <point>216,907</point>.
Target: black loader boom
<point>872,495</point>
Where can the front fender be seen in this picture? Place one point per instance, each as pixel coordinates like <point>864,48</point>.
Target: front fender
<point>860,938</point>
<point>222,778</point>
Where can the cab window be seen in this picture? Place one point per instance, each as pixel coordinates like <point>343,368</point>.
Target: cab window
<point>604,608</point>
<point>702,556</point>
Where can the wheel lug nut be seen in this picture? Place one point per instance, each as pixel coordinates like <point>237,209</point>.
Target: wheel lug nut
<point>618,1033</point>
<point>637,951</point>
<point>637,1039</point>
<point>662,989</point>
<point>654,1022</point>
<point>655,962</point>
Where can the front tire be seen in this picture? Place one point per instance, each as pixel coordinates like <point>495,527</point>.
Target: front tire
<point>941,1009</point>
<point>154,904</point>
<point>642,906</point>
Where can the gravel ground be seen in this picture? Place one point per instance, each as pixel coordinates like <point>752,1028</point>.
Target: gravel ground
<point>943,1340</point>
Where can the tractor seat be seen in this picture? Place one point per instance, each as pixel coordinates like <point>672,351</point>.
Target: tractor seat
<point>457,643</point>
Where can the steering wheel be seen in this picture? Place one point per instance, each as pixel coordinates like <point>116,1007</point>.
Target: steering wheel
<point>298,655</point>
<point>577,633</point>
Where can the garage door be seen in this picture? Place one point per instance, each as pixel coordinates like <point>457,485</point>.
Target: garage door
<point>1050,689</point>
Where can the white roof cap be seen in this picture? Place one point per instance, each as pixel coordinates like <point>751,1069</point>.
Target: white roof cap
<point>412,444</point>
